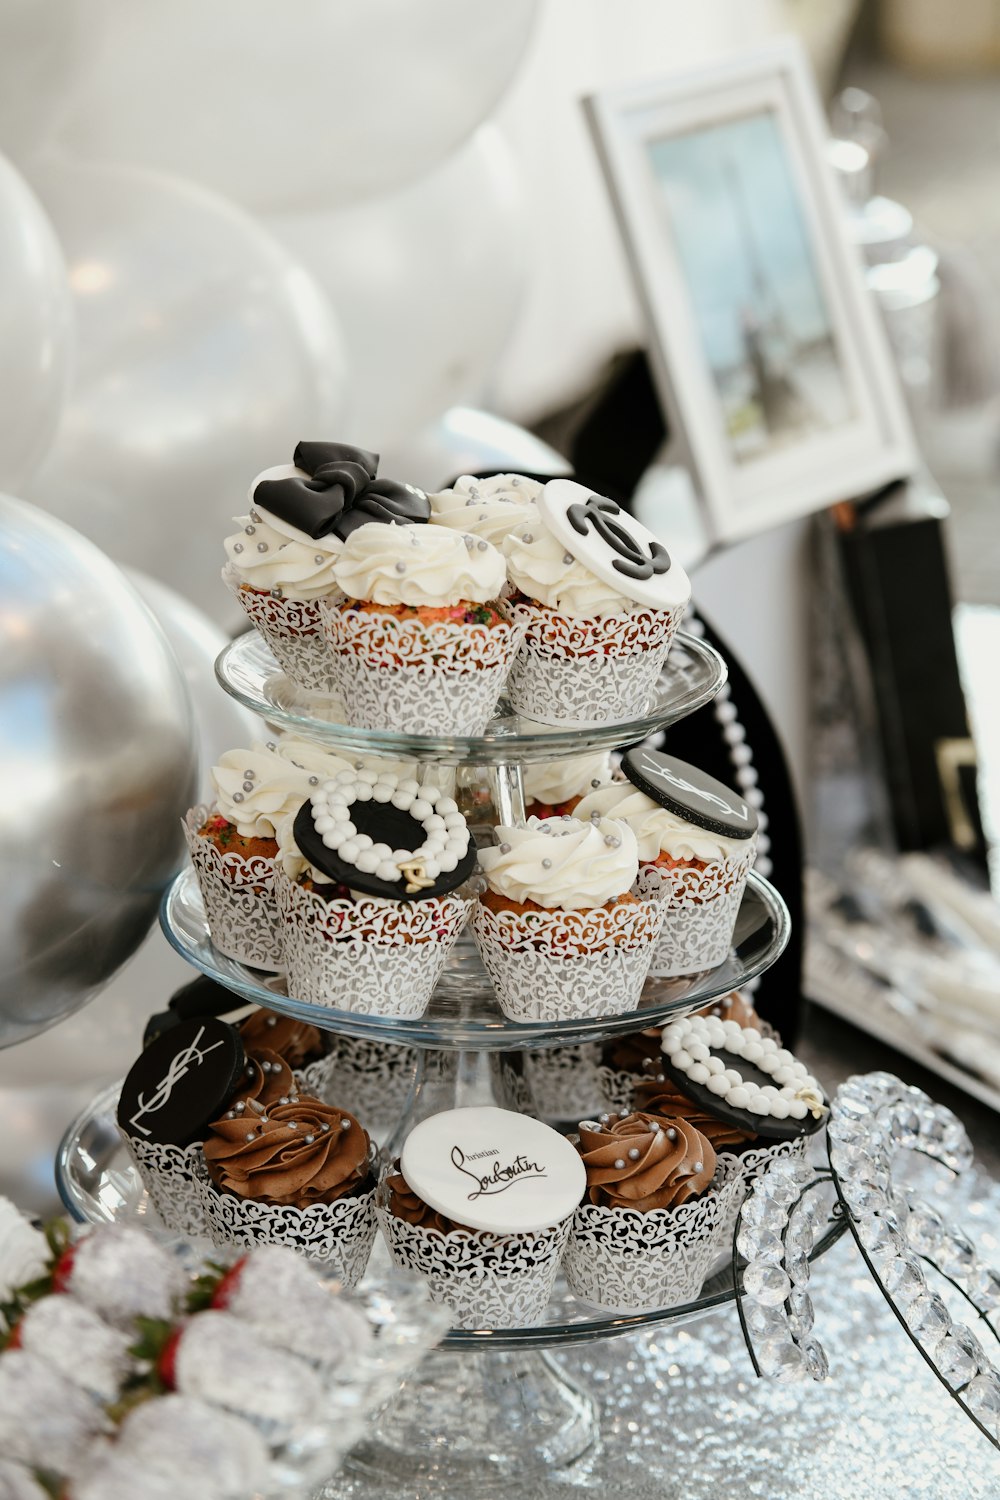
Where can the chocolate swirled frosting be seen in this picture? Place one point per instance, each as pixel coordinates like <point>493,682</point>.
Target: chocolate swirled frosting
<point>405,1204</point>
<point>295,1155</point>
<point>296,1041</point>
<point>635,1052</point>
<point>659,1096</point>
<point>267,1079</point>
<point>643,1162</point>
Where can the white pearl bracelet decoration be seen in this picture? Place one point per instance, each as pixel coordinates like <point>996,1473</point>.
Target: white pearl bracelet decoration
<point>691,1045</point>
<point>447,840</point>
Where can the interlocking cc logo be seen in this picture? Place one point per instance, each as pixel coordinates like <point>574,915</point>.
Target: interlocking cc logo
<point>632,560</point>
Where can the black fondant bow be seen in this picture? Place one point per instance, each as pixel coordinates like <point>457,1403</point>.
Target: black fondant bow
<point>341,494</point>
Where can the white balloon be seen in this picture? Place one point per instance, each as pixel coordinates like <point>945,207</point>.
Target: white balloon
<point>43,48</point>
<point>220,722</point>
<point>36,330</point>
<point>467,441</point>
<point>204,354</point>
<point>283,106</point>
<point>427,282</point>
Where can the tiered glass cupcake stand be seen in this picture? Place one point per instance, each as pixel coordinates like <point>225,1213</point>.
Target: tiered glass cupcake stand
<point>490,1402</point>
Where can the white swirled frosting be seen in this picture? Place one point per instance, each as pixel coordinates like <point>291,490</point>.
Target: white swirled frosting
<point>487,508</point>
<point>556,781</point>
<point>256,788</point>
<point>267,553</point>
<point>562,863</point>
<point>432,565</point>
<point>657,831</point>
<point>540,566</point>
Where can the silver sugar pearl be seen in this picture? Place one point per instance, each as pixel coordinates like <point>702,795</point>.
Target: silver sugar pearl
<point>470,542</point>
<point>528,537</point>
<point>588,1125</point>
<point>613,841</point>
<point>239,1108</point>
<point>314,781</point>
<point>620,1164</point>
<point>237,546</point>
<point>248,786</point>
<point>308,1139</point>
<point>271,746</point>
<point>345,1124</point>
<point>261,546</point>
<point>325,1125</point>
<point>401,567</point>
<point>634,1154</point>
<point>251,1135</point>
<point>254,516</point>
<point>623,1114</point>
<point>671,1134</point>
<point>293,1098</point>
<point>237,796</point>
<point>249,775</point>
<point>293,1124</point>
<point>596,781</point>
<point>595,817</point>
<point>249,530</point>
<point>283,1099</point>
<point>546,864</point>
<point>504,848</point>
<point>276,593</point>
<point>230,1114</point>
<point>568,558</point>
<point>699,1166</point>
<point>319,558</point>
<point>482,546</point>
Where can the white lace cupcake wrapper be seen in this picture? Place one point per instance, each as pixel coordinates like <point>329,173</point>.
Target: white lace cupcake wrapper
<point>701,910</point>
<point>175,1177</point>
<point>628,1261</point>
<point>293,628</point>
<point>339,1235</point>
<point>371,1079</point>
<point>238,895</point>
<point>584,672</point>
<point>617,1088</point>
<point>407,675</point>
<point>564,1082</point>
<point>488,1281</point>
<point>373,957</point>
<point>587,963</point>
<point>738,1170</point>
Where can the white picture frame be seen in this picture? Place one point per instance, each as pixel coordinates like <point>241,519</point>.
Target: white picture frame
<point>767,348</point>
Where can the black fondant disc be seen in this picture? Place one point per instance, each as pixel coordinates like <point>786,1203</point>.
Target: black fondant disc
<point>181,1082</point>
<point>384,824</point>
<point>689,794</point>
<point>765,1125</point>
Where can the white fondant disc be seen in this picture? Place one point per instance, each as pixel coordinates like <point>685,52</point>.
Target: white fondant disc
<point>667,590</point>
<point>493,1169</point>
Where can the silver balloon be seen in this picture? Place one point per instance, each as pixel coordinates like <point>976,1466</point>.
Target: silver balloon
<point>97,753</point>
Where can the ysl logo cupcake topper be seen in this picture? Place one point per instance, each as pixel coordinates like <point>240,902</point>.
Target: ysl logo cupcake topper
<point>689,794</point>
<point>181,1081</point>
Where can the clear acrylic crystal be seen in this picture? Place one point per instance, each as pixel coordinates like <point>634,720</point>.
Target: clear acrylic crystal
<point>757,1243</point>
<point>879,1237</point>
<point>982,1397</point>
<point>780,1359</point>
<point>800,1235</point>
<point>864,1199</point>
<point>903,1279</point>
<point>764,1322</point>
<point>958,1357</point>
<point>758,1212</point>
<point>851,1104</point>
<point>982,1283</point>
<point>927,1318</point>
<point>956,1256</point>
<point>924,1227</point>
<point>797,1268</point>
<point>904,1125</point>
<point>766,1284</point>
<point>800,1312</point>
<point>817,1364</point>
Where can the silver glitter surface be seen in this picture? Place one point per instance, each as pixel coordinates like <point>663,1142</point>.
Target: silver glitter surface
<point>683,1418</point>
<point>122,1273</point>
<point>75,1341</point>
<point>220,1360</point>
<point>278,1294</point>
<point>44,1421</point>
<point>192,1443</point>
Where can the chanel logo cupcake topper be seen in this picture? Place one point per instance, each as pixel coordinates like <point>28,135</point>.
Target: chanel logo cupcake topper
<point>336,489</point>
<point>493,1169</point>
<point>689,794</point>
<point>181,1082</point>
<point>613,545</point>
<point>385,836</point>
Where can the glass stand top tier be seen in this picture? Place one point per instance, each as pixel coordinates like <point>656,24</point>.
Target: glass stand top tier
<point>692,677</point>
<point>99,1185</point>
<point>463,1012</point>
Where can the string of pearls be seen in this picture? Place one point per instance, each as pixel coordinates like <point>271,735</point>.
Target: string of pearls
<point>793,1094</point>
<point>447,832</point>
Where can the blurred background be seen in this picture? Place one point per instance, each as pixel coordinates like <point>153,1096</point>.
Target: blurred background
<point>227,226</point>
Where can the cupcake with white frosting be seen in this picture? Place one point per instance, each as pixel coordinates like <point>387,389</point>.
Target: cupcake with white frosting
<point>600,598</point>
<point>419,643</point>
<point>696,841</point>
<point>553,788</point>
<point>233,842</point>
<point>489,508</point>
<point>558,927</point>
<point>280,563</point>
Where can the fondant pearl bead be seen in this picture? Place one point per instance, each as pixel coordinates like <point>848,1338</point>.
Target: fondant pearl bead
<point>698,1073</point>
<point>688,1045</point>
<point>739,1097</point>
<point>779,1108</point>
<point>367,861</point>
<point>758,1105</point>
<point>349,851</point>
<point>718,1084</point>
<point>783,1075</point>
<point>716,1065</point>
<point>753,1052</point>
<point>733,1076</point>
<point>382,792</point>
<point>683,1060</point>
<point>698,1051</point>
<point>797,1109</point>
<point>421,809</point>
<point>446,805</point>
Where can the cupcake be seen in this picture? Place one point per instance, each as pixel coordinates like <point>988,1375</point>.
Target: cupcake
<point>754,1100</point>
<point>296,1172</point>
<point>233,845</point>
<point>558,929</point>
<point>479,1205</point>
<point>419,643</point>
<point>601,600</point>
<point>368,890</point>
<point>553,788</point>
<point>280,564</point>
<point>651,1222</point>
<point>625,1062</point>
<point>697,841</point>
<point>488,509</point>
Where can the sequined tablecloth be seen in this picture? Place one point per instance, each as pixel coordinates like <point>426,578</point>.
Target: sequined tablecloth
<point>683,1417</point>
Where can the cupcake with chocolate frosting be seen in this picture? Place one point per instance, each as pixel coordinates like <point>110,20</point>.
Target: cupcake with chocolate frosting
<point>419,641</point>
<point>289,1169</point>
<point>625,1061</point>
<point>652,1219</point>
<point>298,1042</point>
<point>558,929</point>
<point>280,564</point>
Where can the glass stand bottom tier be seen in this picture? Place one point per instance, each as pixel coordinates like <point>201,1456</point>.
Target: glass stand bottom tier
<point>468,1421</point>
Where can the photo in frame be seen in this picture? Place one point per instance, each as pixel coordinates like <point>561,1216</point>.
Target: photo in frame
<point>772,365</point>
